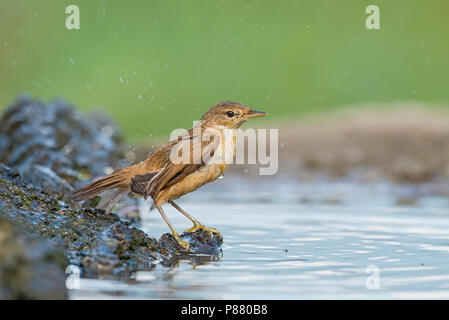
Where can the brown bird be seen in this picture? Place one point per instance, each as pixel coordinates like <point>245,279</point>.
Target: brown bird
<point>181,166</point>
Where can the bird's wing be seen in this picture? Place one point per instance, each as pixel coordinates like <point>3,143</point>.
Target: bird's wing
<point>139,182</point>
<point>191,153</point>
<point>159,158</point>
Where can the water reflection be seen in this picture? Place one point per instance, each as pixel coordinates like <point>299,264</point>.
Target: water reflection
<point>193,259</point>
<point>288,250</point>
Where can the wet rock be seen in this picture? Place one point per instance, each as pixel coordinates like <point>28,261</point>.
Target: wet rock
<point>93,241</point>
<point>30,267</point>
<point>204,248</point>
<point>101,245</point>
<point>54,148</point>
<point>201,241</point>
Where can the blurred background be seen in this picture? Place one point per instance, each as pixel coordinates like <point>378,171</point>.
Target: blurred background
<point>363,119</point>
<point>157,65</point>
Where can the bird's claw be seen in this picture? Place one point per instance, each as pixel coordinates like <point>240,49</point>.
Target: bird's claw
<point>184,244</point>
<point>211,231</point>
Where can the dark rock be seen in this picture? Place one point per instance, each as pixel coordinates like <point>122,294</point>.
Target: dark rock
<point>101,245</point>
<point>54,148</point>
<point>30,268</point>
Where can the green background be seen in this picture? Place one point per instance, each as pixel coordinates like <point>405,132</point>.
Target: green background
<point>158,65</point>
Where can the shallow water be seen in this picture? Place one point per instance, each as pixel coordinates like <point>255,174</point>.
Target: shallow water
<point>328,240</point>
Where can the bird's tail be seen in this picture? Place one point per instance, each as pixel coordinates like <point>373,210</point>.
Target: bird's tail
<point>118,179</point>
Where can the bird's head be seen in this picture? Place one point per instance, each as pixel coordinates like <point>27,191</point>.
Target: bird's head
<point>229,115</point>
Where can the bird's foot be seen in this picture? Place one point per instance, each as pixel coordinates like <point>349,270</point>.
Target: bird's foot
<point>203,227</point>
<point>184,244</point>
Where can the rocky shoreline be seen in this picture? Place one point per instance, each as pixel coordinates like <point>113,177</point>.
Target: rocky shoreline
<point>45,152</point>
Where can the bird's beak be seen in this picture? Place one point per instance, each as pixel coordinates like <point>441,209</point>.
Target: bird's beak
<point>254,114</point>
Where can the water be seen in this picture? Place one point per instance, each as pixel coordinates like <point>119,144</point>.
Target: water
<point>302,241</point>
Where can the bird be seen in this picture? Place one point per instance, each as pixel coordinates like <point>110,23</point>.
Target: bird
<point>179,167</point>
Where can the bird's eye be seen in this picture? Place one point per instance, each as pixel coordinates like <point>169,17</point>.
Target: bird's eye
<point>230,114</point>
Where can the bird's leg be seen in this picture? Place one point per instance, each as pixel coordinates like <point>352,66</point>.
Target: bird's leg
<point>196,224</point>
<point>182,243</point>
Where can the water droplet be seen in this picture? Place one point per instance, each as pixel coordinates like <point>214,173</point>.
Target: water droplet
<point>108,170</point>
<point>68,148</point>
<point>130,156</point>
<point>107,130</point>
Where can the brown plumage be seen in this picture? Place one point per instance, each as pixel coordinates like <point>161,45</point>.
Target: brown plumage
<point>160,178</point>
